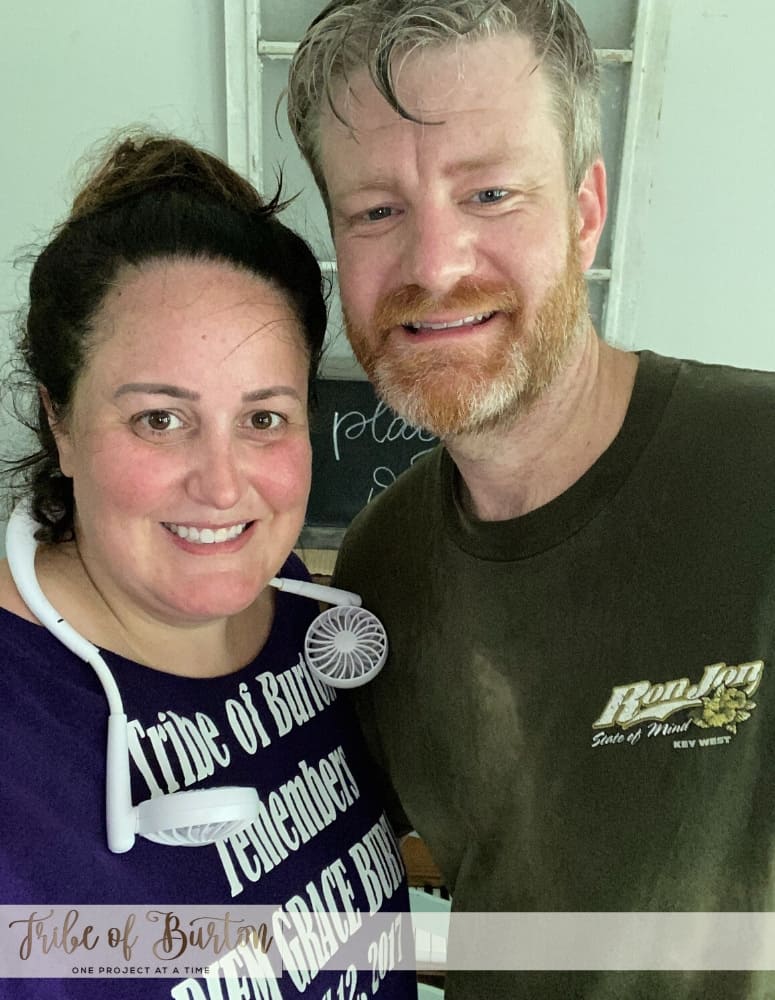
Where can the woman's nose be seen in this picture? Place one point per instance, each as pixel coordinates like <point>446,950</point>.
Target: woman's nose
<point>215,478</point>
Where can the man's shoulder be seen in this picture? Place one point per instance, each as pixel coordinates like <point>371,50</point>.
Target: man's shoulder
<point>718,401</point>
<point>722,382</point>
<point>400,517</point>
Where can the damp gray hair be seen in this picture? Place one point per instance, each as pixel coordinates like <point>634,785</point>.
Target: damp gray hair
<point>349,35</point>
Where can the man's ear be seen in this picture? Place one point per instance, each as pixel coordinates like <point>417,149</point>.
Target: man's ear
<point>592,205</point>
<point>59,430</point>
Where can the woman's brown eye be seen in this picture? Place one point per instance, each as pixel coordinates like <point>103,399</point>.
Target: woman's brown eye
<point>159,421</point>
<point>264,420</point>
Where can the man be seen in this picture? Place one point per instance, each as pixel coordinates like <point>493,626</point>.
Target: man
<point>579,584</point>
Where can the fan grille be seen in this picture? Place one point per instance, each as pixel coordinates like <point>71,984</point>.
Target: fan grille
<point>196,835</point>
<point>346,646</point>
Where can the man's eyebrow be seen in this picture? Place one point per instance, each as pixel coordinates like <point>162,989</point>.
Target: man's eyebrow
<point>381,182</point>
<point>475,163</point>
<point>375,183</point>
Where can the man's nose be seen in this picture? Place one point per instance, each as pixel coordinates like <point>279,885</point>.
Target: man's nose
<point>441,250</point>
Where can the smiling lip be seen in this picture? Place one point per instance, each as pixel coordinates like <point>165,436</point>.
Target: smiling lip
<point>432,328</point>
<point>207,537</point>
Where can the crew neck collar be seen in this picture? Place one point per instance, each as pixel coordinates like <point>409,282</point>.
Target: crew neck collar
<point>552,523</point>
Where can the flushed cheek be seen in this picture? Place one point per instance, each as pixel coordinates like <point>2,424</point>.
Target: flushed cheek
<point>284,480</point>
<point>137,483</point>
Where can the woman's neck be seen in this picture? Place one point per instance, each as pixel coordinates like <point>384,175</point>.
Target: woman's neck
<point>191,649</point>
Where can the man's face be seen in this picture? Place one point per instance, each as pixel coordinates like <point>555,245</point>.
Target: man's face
<point>460,248</point>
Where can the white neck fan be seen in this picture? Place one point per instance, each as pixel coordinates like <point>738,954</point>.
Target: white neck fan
<point>343,651</point>
<point>345,646</point>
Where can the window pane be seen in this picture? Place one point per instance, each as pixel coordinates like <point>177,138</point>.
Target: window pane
<point>286,20</point>
<point>615,79</point>
<point>307,213</point>
<point>610,23</point>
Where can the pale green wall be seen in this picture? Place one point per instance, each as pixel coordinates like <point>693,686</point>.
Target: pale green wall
<point>708,221</point>
<point>71,71</point>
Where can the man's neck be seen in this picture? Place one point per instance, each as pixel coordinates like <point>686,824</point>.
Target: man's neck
<point>509,472</point>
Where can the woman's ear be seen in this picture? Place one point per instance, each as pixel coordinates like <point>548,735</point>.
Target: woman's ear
<point>60,432</point>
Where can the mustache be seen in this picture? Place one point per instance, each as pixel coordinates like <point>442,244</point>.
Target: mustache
<point>412,303</point>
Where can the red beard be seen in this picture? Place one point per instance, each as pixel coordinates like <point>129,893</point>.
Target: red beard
<point>469,386</point>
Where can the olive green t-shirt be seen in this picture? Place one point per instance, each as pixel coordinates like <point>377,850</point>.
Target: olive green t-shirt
<point>577,709</point>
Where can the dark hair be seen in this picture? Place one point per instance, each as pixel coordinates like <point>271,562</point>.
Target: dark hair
<point>150,197</point>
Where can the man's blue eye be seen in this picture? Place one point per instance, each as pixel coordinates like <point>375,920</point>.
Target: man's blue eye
<point>376,214</point>
<point>490,195</point>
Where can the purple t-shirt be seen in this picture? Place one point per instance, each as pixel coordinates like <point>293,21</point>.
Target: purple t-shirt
<point>321,833</point>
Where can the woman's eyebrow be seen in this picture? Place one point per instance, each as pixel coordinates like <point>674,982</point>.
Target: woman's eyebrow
<point>157,389</point>
<point>177,392</point>
<point>275,390</point>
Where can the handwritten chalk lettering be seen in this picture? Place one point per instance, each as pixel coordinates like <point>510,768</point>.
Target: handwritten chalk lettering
<point>382,477</point>
<point>185,751</point>
<point>378,863</point>
<point>382,426</point>
<point>44,931</point>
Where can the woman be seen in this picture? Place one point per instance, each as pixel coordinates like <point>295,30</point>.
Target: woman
<point>173,330</point>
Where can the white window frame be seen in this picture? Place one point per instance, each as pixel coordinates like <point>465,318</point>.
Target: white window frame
<point>246,50</point>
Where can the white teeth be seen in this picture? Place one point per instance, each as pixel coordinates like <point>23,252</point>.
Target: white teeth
<point>466,321</point>
<point>206,536</point>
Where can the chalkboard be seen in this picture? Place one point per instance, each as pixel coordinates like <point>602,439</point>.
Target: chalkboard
<point>359,447</point>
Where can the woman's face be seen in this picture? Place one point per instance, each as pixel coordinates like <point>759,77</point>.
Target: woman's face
<point>188,442</point>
